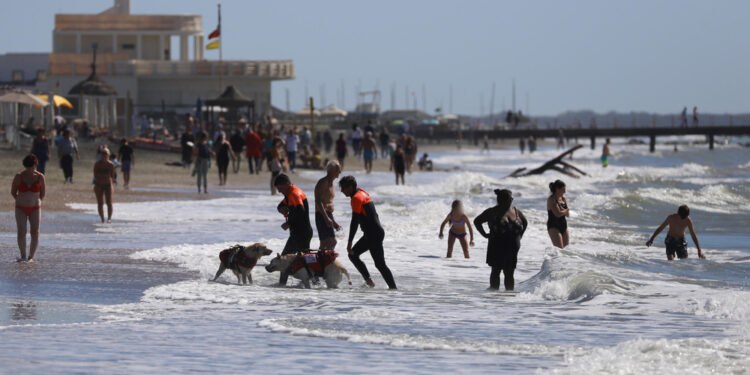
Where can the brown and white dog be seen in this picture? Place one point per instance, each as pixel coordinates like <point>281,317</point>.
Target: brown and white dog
<point>294,264</point>
<point>241,260</point>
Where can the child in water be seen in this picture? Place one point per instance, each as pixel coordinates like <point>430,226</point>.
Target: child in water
<point>675,241</point>
<point>459,222</point>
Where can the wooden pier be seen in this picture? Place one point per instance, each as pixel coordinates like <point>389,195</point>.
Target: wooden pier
<point>710,132</point>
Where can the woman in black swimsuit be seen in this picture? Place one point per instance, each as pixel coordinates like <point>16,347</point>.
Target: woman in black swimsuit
<point>223,153</point>
<point>557,213</point>
<point>507,225</point>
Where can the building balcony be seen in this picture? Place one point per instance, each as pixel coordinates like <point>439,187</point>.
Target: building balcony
<point>110,66</point>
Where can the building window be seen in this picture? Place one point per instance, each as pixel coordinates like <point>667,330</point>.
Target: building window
<point>129,46</point>
<point>18,76</point>
<point>41,75</point>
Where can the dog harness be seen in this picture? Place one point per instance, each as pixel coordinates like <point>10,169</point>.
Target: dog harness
<point>235,256</point>
<point>314,262</point>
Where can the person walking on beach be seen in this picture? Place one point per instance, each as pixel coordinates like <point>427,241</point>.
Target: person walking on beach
<point>327,141</point>
<point>356,140</point>
<point>40,149</point>
<point>507,225</point>
<point>522,144</point>
<point>187,142</point>
<point>410,151</point>
<point>296,211</point>
<point>605,154</point>
<point>104,173</point>
<point>28,189</point>
<point>370,151</point>
<point>341,150</point>
<point>66,149</point>
<point>675,241</point>
<point>384,140</point>
<point>274,164</point>
<point>253,151</point>
<point>292,140</point>
<point>127,160</point>
<point>238,143</point>
<point>557,213</point>
<point>223,154</point>
<point>324,193</point>
<point>485,145</point>
<point>398,164</point>
<point>202,155</point>
<point>365,216</point>
<point>458,223</point>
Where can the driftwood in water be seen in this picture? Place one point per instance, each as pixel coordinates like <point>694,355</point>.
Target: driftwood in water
<point>555,164</point>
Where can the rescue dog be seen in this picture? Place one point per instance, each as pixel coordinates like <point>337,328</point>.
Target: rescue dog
<point>288,263</point>
<point>241,260</point>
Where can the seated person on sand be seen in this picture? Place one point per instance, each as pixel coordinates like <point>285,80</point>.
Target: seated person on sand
<point>675,241</point>
<point>306,157</point>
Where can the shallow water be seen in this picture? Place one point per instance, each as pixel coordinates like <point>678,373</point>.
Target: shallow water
<point>605,304</point>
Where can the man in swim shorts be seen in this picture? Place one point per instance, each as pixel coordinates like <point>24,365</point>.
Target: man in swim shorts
<point>364,215</point>
<point>605,154</point>
<point>370,151</point>
<point>675,241</point>
<point>324,193</point>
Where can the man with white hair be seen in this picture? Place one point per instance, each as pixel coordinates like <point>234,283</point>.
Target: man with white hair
<point>324,193</point>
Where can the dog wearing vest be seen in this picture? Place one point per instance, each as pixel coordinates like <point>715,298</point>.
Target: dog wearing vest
<point>241,260</point>
<point>305,265</point>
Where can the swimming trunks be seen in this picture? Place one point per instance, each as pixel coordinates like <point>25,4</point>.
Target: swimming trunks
<point>126,165</point>
<point>676,246</point>
<point>605,160</point>
<point>324,231</point>
<point>368,155</point>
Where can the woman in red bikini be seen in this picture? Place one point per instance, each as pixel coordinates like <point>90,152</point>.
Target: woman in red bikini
<point>104,173</point>
<point>458,223</point>
<point>28,190</point>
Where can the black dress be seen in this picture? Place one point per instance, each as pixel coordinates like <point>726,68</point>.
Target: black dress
<point>505,237</point>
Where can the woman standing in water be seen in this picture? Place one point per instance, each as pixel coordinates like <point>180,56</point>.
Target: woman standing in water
<point>507,225</point>
<point>398,164</point>
<point>104,173</point>
<point>28,189</point>
<point>459,222</point>
<point>557,213</point>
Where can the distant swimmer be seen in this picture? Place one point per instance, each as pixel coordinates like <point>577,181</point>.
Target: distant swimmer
<point>324,193</point>
<point>28,189</point>
<point>606,154</point>
<point>507,226</point>
<point>365,216</point>
<point>104,173</point>
<point>675,241</point>
<point>557,213</point>
<point>458,223</point>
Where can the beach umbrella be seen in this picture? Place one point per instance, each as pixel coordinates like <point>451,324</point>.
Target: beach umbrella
<point>59,101</point>
<point>22,97</point>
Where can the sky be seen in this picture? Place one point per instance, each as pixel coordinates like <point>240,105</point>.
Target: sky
<point>654,56</point>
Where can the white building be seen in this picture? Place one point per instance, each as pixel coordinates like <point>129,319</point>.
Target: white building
<point>134,55</point>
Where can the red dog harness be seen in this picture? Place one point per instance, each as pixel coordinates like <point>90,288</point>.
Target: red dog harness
<point>235,256</point>
<point>315,261</point>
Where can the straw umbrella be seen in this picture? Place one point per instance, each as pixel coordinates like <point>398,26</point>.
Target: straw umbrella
<point>92,89</point>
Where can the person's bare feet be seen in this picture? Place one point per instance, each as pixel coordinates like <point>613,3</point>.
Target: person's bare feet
<point>30,260</point>
<point>370,283</point>
<point>21,260</point>
<point>109,221</point>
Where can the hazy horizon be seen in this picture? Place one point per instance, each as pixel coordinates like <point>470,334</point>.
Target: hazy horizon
<point>567,56</point>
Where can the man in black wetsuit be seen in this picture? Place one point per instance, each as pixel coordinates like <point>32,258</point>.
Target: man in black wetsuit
<point>295,209</point>
<point>364,215</point>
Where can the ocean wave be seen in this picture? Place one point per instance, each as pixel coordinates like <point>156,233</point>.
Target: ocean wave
<point>726,306</point>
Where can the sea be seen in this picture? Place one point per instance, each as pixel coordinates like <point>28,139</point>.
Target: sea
<point>134,296</point>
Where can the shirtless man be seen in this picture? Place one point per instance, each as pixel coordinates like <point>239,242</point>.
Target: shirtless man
<point>324,192</point>
<point>370,151</point>
<point>675,240</point>
<point>605,154</point>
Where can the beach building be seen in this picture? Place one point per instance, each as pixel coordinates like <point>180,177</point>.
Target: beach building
<point>156,60</point>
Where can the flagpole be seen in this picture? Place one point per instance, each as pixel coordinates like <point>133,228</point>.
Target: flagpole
<point>221,78</point>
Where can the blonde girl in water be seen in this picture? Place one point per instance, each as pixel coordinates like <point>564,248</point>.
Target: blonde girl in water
<point>458,223</point>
